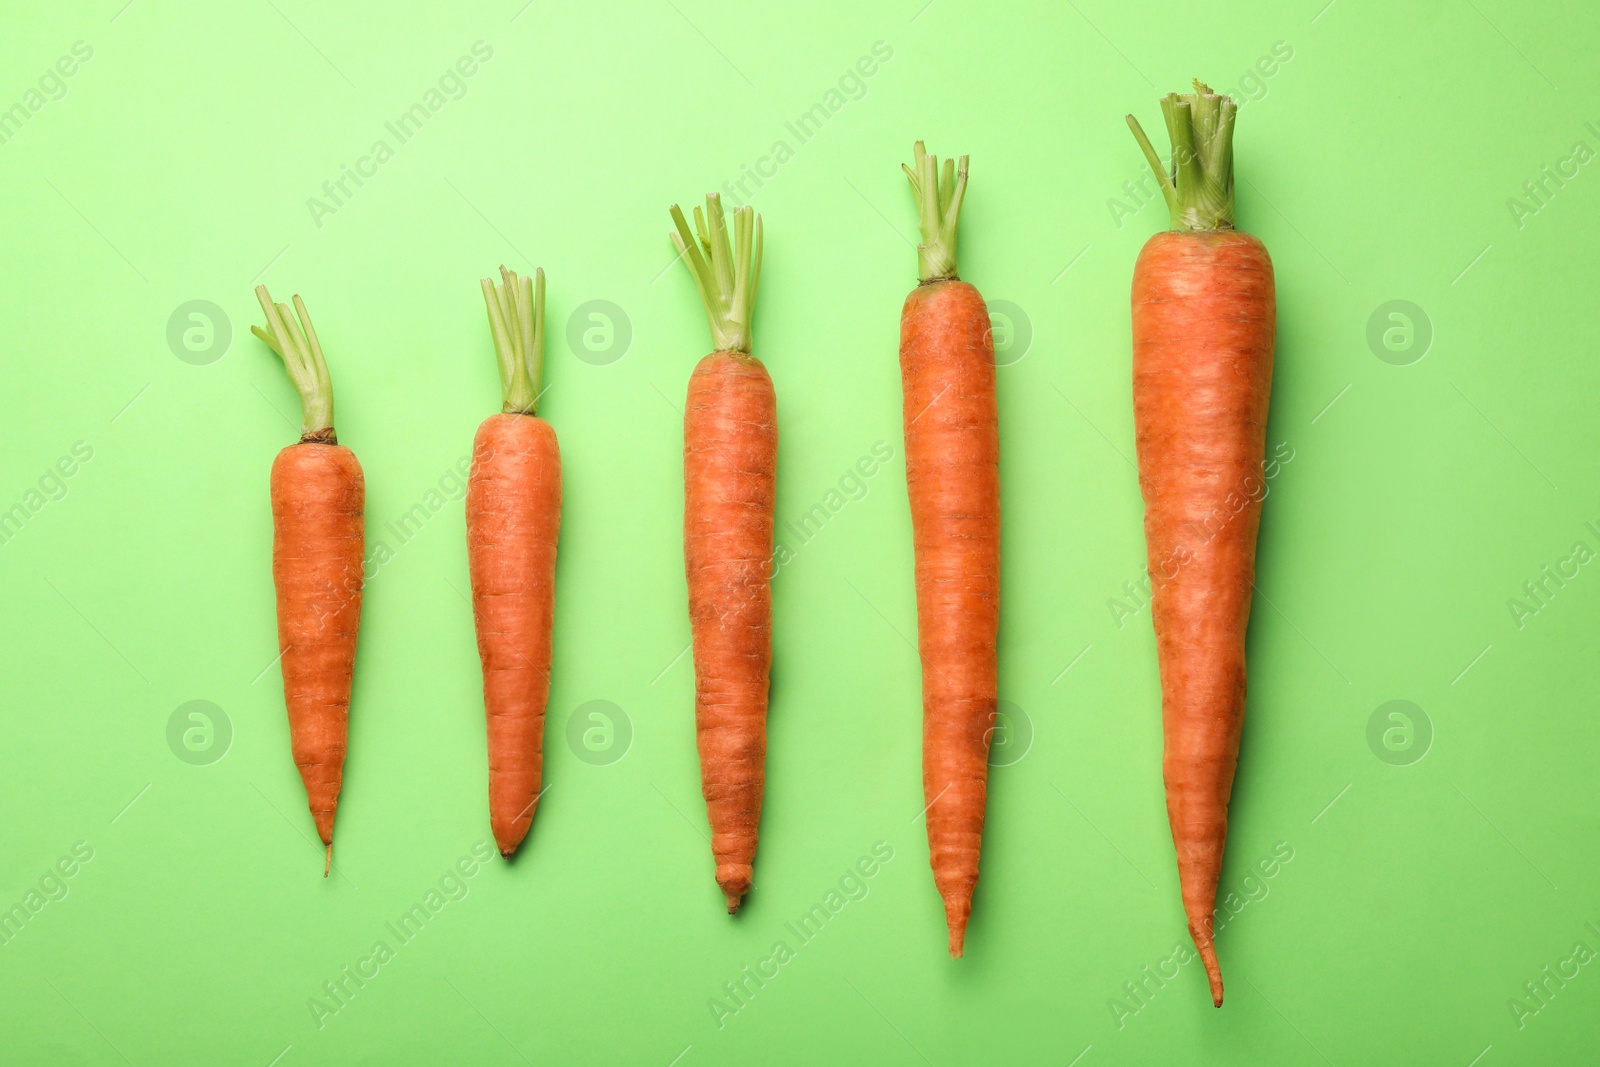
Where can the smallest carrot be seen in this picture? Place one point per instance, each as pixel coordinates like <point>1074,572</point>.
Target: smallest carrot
<point>318,531</point>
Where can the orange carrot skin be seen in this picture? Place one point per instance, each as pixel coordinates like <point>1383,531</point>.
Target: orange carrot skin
<point>952,434</point>
<point>1204,314</point>
<point>513,519</point>
<point>318,497</point>
<point>730,459</point>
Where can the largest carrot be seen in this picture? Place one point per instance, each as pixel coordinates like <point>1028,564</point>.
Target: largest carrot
<point>952,433</point>
<point>730,460</point>
<point>318,498</point>
<point>1204,316</point>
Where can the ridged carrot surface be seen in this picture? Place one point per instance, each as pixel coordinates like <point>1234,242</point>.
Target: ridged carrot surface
<point>730,461</point>
<point>318,498</point>
<point>513,517</point>
<point>513,522</point>
<point>952,453</point>
<point>1204,314</point>
<point>952,435</point>
<point>318,537</point>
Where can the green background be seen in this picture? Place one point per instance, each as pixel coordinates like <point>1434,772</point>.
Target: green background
<point>1441,859</point>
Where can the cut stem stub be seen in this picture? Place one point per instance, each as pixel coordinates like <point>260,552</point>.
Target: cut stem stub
<point>939,196</point>
<point>725,274</point>
<point>296,344</point>
<point>1198,185</point>
<point>516,317</point>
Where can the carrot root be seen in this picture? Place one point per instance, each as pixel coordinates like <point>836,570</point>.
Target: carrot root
<point>952,440</point>
<point>1204,323</point>
<point>513,520</point>
<point>730,476</point>
<point>953,480</point>
<point>730,463</point>
<point>318,496</point>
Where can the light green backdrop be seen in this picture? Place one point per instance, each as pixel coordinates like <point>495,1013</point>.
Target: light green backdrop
<point>1443,454</point>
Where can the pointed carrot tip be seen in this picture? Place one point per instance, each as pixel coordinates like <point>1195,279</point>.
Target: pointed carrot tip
<point>1208,957</point>
<point>327,863</point>
<point>956,916</point>
<point>958,935</point>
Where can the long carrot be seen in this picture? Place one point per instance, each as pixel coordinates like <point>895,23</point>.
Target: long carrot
<point>1204,316</point>
<point>730,459</point>
<point>513,517</point>
<point>318,497</point>
<point>952,436</point>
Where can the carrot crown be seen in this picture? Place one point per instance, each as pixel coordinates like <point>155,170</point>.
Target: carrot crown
<point>1199,184</point>
<point>939,207</point>
<point>296,344</point>
<point>516,317</point>
<point>725,274</point>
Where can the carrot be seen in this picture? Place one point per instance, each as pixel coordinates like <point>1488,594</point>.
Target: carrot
<point>1204,318</point>
<point>318,497</point>
<point>952,453</point>
<point>730,459</point>
<point>513,517</point>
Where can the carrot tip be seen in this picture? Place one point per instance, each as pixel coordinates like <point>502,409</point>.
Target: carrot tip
<point>327,863</point>
<point>734,900</point>
<point>1208,957</point>
<point>956,915</point>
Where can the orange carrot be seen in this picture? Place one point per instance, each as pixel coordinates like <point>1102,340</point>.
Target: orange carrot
<point>318,497</point>
<point>952,433</point>
<point>730,459</point>
<point>513,517</point>
<point>1204,317</point>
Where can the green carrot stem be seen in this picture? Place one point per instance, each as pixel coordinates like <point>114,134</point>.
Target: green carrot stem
<point>726,274</point>
<point>296,344</point>
<point>1198,186</point>
<point>516,318</point>
<point>938,209</point>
